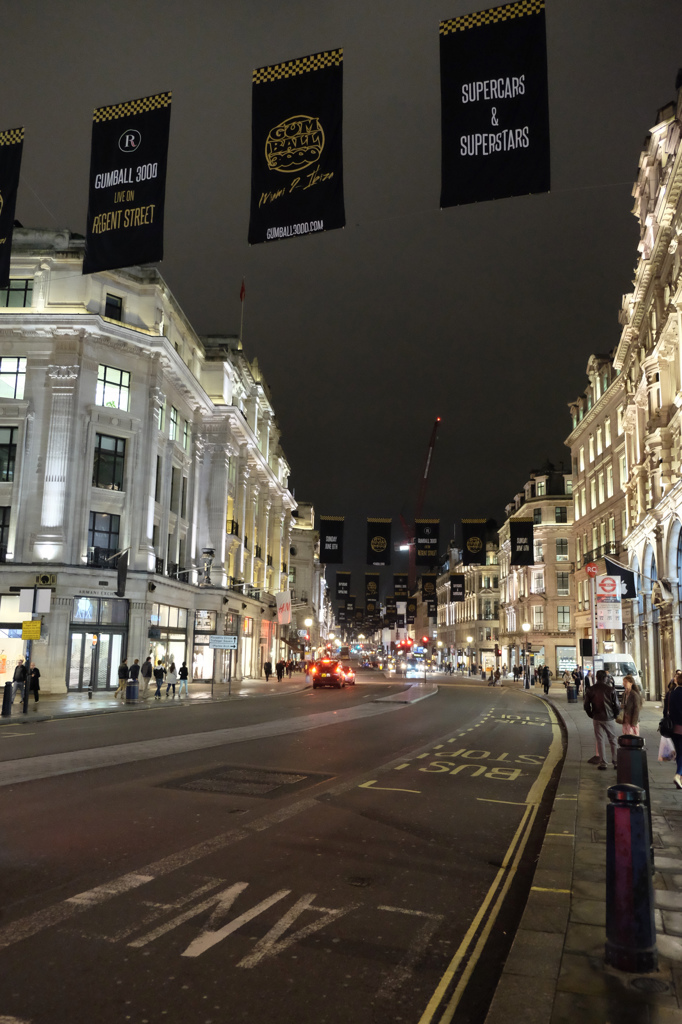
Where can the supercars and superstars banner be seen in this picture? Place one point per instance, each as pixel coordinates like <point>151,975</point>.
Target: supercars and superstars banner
<point>378,541</point>
<point>372,586</point>
<point>473,541</point>
<point>296,148</point>
<point>521,537</point>
<point>342,585</point>
<point>127,183</point>
<point>426,541</point>
<point>429,586</point>
<point>11,148</point>
<point>494,104</point>
<point>400,585</point>
<point>457,586</point>
<point>331,540</point>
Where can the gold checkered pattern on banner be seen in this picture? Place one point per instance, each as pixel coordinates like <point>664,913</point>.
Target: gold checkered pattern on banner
<point>492,15</point>
<point>147,103</point>
<point>11,136</point>
<point>316,62</point>
<point>334,519</point>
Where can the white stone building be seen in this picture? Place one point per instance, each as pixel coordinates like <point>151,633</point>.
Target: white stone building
<point>307,580</point>
<point>121,430</point>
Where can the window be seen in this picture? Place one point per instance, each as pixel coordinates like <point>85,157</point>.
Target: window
<point>576,507</point>
<point>107,469</point>
<point>12,377</point>
<point>8,453</point>
<point>605,381</point>
<point>175,484</point>
<point>157,482</point>
<point>538,616</point>
<point>537,583</point>
<point>173,431</point>
<point>161,416</point>
<point>18,294</point>
<point>582,459</point>
<point>578,546</point>
<point>609,481</point>
<point>537,515</point>
<point>186,436</point>
<point>537,551</point>
<point>561,514</point>
<point>593,493</point>
<point>602,534</point>
<point>103,532</point>
<point>562,549</point>
<point>113,388</point>
<point>612,529</point>
<point>568,486</point>
<point>600,441</point>
<point>562,584</point>
<point>607,432</point>
<point>583,501</point>
<point>586,593</point>
<point>623,471</point>
<point>623,522</point>
<point>113,307</point>
<point>591,447</point>
<point>4,531</point>
<point>541,488</point>
<point>563,617</point>
<point>601,488</point>
<point>619,420</point>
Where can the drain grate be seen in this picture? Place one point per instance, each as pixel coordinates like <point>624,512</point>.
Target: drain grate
<point>650,985</point>
<point>233,780</point>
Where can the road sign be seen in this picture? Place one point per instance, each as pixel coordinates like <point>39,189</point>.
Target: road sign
<point>591,569</point>
<point>30,630</point>
<point>223,643</point>
<point>609,586</point>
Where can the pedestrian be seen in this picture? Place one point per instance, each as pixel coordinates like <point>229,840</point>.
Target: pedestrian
<point>672,708</point>
<point>632,705</point>
<point>135,671</point>
<point>290,668</point>
<point>566,678</point>
<point>182,676</point>
<point>172,677</point>
<point>34,684</point>
<point>280,670</point>
<point>123,674</point>
<point>544,672</point>
<point>601,705</point>
<point>159,673</point>
<point>146,672</point>
<point>497,677</point>
<point>19,678</point>
<point>267,668</point>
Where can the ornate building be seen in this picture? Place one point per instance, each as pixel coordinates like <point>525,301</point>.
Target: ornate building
<point>125,435</point>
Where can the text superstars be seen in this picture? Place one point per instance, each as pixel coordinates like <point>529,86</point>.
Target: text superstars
<point>494,89</point>
<point>485,143</point>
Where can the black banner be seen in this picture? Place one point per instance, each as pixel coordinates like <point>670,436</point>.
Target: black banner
<point>341,616</point>
<point>359,616</point>
<point>473,541</point>
<point>521,538</point>
<point>400,621</point>
<point>628,583</point>
<point>127,184</point>
<point>378,541</point>
<point>372,580</point>
<point>331,540</point>
<point>342,585</point>
<point>411,611</point>
<point>494,104</point>
<point>296,148</point>
<point>426,533</point>
<point>428,586</point>
<point>457,586</point>
<point>400,586</point>
<point>350,605</point>
<point>432,608</point>
<point>371,607</point>
<point>11,148</point>
<point>121,574</point>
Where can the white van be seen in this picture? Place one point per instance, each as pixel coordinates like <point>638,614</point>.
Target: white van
<point>619,665</point>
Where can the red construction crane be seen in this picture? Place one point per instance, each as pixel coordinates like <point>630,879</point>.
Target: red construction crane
<point>410,528</point>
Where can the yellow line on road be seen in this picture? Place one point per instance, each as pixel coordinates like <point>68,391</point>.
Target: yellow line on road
<point>512,803</point>
<point>541,888</point>
<point>399,766</point>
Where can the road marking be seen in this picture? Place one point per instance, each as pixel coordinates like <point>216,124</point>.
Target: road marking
<point>423,755</point>
<point>438,746</point>
<point>415,950</point>
<point>210,936</point>
<point>269,944</point>
<point>399,766</point>
<point>540,888</point>
<point>16,736</point>
<point>571,835</point>
<point>565,798</point>
<point>388,789</point>
<point>512,803</point>
<point>13,1020</point>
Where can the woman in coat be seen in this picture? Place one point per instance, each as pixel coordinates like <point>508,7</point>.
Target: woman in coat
<point>632,704</point>
<point>171,678</point>
<point>34,684</point>
<point>672,708</point>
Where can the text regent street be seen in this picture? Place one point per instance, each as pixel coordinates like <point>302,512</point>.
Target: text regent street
<point>131,218</point>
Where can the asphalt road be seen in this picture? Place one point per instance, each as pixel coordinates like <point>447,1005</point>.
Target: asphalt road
<point>321,857</point>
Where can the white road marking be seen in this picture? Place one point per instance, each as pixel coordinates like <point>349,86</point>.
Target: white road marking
<point>399,975</point>
<point>13,1020</point>
<point>209,937</point>
<point>270,946</point>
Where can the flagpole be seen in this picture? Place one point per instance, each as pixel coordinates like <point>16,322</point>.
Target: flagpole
<point>242,297</point>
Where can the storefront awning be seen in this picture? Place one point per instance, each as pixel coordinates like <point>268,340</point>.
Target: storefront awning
<point>293,644</point>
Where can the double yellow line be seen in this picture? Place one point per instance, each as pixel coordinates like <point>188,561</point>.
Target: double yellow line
<point>491,905</point>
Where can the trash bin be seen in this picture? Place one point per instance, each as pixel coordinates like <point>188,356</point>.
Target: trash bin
<point>132,691</point>
<point>7,700</point>
<point>572,693</point>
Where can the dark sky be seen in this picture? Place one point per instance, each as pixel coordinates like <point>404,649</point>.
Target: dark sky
<point>485,314</point>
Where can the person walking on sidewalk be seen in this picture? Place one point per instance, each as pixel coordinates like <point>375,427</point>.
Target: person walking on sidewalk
<point>159,673</point>
<point>146,673</point>
<point>34,683</point>
<point>672,708</point>
<point>267,668</point>
<point>172,677</point>
<point>135,671</point>
<point>123,673</point>
<point>545,679</point>
<point>601,705</point>
<point>183,675</point>
<point>19,678</point>
<point>632,704</point>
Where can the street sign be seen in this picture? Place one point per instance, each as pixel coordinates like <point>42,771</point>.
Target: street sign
<point>608,602</point>
<point>591,569</point>
<point>30,630</point>
<point>223,643</point>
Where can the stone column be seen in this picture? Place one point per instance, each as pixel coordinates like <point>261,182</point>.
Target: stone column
<point>51,539</point>
<point>199,443</point>
<point>217,510</point>
<point>266,505</point>
<point>252,507</point>
<point>242,489</point>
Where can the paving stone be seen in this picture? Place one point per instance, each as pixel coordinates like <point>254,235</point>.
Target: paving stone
<point>546,912</point>
<point>670,946</point>
<point>590,853</point>
<point>516,1000</point>
<point>672,922</point>
<point>535,954</point>
<point>588,912</point>
<point>615,1008</point>
<point>664,863</point>
<point>589,890</point>
<point>587,939</point>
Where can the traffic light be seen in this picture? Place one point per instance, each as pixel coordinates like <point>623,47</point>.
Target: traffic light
<point>425,640</point>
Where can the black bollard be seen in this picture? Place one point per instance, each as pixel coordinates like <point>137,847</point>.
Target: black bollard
<point>630,928</point>
<point>7,700</point>
<point>572,693</point>
<point>633,770</point>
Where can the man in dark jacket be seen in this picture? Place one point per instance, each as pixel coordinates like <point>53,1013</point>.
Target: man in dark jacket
<point>601,705</point>
<point>146,672</point>
<point>19,678</point>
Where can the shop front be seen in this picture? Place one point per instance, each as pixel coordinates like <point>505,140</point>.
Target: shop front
<point>98,642</point>
<point>203,656</point>
<point>12,647</point>
<point>168,634</point>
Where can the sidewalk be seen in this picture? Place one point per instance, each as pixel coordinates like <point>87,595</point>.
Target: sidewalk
<point>555,971</point>
<point>78,704</point>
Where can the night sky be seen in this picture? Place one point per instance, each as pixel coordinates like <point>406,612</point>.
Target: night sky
<point>485,314</point>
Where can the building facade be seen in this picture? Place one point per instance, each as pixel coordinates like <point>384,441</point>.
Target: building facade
<point>542,595</point>
<point>477,616</point>
<point>123,434</point>
<point>310,603</point>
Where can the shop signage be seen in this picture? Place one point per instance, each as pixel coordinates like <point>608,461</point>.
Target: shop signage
<point>608,602</point>
<point>223,643</point>
<point>30,630</point>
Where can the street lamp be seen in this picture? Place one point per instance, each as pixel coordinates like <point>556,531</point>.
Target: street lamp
<point>308,623</point>
<point>470,640</point>
<point>525,626</point>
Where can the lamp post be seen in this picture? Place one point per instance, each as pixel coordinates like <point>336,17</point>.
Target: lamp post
<point>308,623</point>
<point>525,626</point>
<point>470,640</point>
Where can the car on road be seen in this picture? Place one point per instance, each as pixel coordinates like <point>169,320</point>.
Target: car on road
<point>329,672</point>
<point>349,673</point>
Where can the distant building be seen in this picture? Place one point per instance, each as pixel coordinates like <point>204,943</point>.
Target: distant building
<point>540,595</point>
<point>125,434</point>
<point>308,584</point>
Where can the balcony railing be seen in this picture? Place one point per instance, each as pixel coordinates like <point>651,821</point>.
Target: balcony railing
<point>172,569</point>
<point>101,557</point>
<point>240,587</point>
<point>610,548</point>
<point>232,527</point>
<point>159,567</point>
